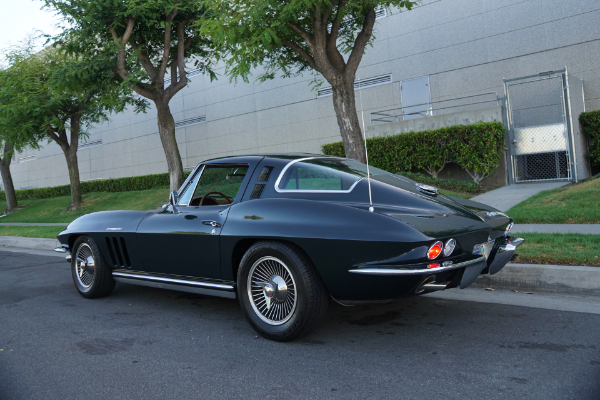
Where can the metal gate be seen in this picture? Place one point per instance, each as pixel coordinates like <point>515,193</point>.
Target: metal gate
<point>540,128</point>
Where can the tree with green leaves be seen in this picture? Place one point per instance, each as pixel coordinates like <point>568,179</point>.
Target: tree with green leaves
<point>52,96</point>
<point>328,36</point>
<point>148,38</point>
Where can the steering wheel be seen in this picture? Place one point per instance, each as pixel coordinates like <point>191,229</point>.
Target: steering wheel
<point>219,193</point>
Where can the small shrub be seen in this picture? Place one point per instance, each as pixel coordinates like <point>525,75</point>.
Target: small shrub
<point>590,125</point>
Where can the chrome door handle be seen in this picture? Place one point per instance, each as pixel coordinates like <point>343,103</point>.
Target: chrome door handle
<point>214,224</point>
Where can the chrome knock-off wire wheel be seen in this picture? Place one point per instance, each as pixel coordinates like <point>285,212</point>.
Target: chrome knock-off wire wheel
<point>272,290</point>
<point>85,266</point>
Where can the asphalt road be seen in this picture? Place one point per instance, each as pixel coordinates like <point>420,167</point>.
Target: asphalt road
<point>144,343</point>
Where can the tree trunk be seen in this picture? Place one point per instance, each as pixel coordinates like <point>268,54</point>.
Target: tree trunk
<point>72,164</point>
<point>9,188</point>
<point>347,118</point>
<point>166,130</point>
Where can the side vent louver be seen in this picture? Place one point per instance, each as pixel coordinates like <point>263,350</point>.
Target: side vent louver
<point>257,191</point>
<point>118,252</point>
<point>265,173</point>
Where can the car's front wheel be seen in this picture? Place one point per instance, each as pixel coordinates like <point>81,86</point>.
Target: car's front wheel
<point>280,291</point>
<point>92,277</point>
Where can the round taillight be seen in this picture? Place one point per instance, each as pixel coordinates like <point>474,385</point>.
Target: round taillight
<point>449,247</point>
<point>435,250</point>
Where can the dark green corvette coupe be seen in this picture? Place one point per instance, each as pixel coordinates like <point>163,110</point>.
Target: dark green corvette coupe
<point>283,233</point>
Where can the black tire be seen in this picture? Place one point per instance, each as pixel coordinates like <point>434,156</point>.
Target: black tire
<point>304,288</point>
<point>93,282</point>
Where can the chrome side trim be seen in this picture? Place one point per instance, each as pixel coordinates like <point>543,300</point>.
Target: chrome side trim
<point>179,288</point>
<point>138,278</point>
<point>412,272</point>
<point>278,190</point>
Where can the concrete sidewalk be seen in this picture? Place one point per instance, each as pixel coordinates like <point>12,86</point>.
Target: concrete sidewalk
<point>33,223</point>
<point>590,229</point>
<point>508,196</point>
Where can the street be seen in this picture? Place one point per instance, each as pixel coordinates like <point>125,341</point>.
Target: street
<point>150,343</point>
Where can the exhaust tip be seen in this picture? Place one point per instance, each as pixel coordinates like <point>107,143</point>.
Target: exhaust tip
<point>430,285</point>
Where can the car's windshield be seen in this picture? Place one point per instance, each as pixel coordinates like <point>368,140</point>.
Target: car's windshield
<point>325,175</point>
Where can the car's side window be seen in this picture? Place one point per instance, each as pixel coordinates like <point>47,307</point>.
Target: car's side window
<point>218,185</point>
<point>307,176</point>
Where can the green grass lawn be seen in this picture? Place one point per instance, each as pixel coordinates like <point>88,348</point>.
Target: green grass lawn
<point>31,231</point>
<point>562,249</point>
<point>572,204</point>
<point>455,194</point>
<point>51,210</point>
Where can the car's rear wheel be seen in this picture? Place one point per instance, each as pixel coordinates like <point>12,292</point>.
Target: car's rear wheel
<point>92,277</point>
<point>280,291</point>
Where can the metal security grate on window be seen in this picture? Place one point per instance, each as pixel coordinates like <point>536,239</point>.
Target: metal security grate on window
<point>25,159</point>
<point>360,84</point>
<point>90,144</point>
<point>257,191</point>
<point>191,121</point>
<point>193,72</point>
<point>380,12</point>
<point>265,173</point>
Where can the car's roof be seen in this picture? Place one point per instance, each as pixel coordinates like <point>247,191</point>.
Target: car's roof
<point>280,156</point>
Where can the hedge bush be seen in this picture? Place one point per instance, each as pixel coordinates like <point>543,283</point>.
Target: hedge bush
<point>477,148</point>
<point>590,125</point>
<point>143,182</point>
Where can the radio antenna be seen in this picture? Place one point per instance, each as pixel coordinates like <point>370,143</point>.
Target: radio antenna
<point>371,209</point>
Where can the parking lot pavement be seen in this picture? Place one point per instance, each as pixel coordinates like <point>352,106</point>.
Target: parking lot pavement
<point>152,343</point>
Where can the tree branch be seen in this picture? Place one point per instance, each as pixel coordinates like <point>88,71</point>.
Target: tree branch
<point>145,90</point>
<point>359,44</point>
<point>60,139</point>
<point>182,46</point>
<point>303,53</point>
<point>120,42</point>
<point>333,53</point>
<point>303,34</point>
<point>167,47</point>
<point>144,59</point>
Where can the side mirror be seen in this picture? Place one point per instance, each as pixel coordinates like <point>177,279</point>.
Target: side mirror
<point>173,199</point>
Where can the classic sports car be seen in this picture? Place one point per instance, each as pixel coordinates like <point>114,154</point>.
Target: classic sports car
<point>284,232</point>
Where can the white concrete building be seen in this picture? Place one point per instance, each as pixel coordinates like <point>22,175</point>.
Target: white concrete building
<point>459,48</point>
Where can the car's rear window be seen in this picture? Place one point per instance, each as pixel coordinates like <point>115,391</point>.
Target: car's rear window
<point>324,175</point>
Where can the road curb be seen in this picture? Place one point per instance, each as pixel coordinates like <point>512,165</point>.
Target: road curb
<point>565,279</point>
<point>29,243</point>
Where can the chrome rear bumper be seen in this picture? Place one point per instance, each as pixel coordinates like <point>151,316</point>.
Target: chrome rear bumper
<point>413,272</point>
<point>503,254</point>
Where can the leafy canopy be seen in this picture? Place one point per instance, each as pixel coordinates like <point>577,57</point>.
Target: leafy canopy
<point>43,93</point>
<point>284,35</point>
<point>151,34</point>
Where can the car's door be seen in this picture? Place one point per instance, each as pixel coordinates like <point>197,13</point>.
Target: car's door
<point>185,241</point>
